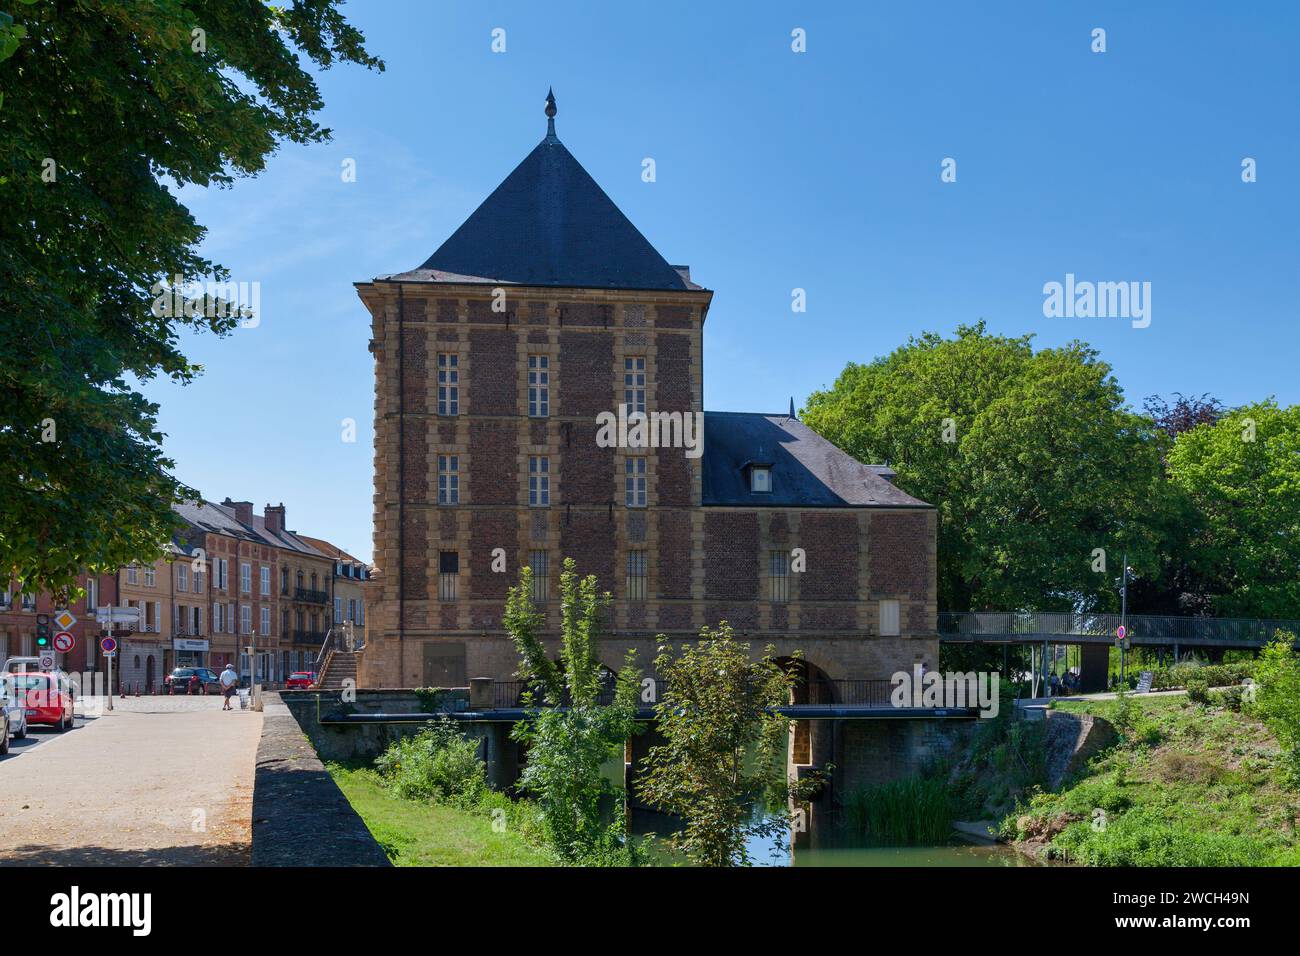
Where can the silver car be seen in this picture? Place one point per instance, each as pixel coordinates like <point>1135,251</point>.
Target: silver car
<point>12,714</point>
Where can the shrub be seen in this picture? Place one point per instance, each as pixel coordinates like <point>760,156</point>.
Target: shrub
<point>1229,697</point>
<point>1198,688</point>
<point>1142,837</point>
<point>437,764</point>
<point>1215,675</point>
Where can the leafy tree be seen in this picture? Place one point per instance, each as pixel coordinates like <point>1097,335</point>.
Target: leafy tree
<point>1031,458</point>
<point>573,733</point>
<point>723,746</point>
<point>108,107</point>
<point>1242,477</point>
<point>1184,414</point>
<point>1277,700</point>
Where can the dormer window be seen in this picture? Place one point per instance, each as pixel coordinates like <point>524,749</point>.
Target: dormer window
<point>760,478</point>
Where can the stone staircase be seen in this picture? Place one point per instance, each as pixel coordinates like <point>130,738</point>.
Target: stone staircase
<point>339,666</point>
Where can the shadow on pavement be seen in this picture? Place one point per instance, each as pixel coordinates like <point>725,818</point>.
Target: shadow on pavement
<point>36,854</point>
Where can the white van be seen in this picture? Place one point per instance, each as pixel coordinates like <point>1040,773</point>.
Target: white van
<point>23,665</point>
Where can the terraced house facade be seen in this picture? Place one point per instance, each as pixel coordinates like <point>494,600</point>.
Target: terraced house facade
<point>503,365</point>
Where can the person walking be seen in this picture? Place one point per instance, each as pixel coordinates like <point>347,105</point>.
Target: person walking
<point>229,685</point>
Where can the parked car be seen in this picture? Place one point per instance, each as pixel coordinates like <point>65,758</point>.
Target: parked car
<point>191,680</point>
<point>13,711</point>
<point>47,699</point>
<point>300,679</point>
<point>22,665</point>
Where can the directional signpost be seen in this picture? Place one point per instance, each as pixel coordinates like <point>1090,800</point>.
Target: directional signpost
<point>109,646</point>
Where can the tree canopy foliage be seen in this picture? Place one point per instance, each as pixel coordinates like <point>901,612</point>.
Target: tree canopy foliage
<point>1241,476</point>
<point>1034,462</point>
<point>575,731</point>
<point>1031,458</point>
<point>108,107</point>
<point>723,747</point>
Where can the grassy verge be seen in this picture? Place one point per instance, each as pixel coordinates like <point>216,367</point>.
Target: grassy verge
<point>1187,785</point>
<point>417,833</point>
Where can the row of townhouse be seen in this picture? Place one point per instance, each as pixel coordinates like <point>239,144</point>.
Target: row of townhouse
<point>229,579</point>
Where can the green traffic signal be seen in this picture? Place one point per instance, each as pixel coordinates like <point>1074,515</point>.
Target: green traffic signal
<point>41,642</point>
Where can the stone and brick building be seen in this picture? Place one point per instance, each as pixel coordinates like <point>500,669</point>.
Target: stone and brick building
<point>495,360</point>
<point>347,586</point>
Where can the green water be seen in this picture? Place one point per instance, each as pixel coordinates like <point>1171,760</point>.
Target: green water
<point>777,852</point>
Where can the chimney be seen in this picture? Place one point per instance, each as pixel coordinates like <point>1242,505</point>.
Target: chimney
<point>274,517</point>
<point>243,510</point>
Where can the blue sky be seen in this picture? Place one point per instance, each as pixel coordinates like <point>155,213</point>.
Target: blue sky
<point>775,170</point>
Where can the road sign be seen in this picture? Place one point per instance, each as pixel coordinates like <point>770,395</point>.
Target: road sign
<point>65,620</point>
<point>64,642</point>
<point>47,660</point>
<point>108,644</point>
<point>1121,632</point>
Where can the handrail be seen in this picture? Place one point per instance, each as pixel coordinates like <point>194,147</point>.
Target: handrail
<point>1143,628</point>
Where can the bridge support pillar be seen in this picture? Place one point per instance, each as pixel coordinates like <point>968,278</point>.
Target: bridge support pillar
<point>1094,667</point>
<point>501,754</point>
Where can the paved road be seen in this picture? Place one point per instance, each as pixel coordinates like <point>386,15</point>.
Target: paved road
<point>158,780</point>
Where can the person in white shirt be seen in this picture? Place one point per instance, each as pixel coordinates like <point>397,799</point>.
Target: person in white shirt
<point>229,685</point>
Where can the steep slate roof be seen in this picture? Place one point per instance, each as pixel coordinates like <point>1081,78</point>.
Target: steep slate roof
<point>208,517</point>
<point>332,550</point>
<point>550,224</point>
<point>221,520</point>
<point>807,470</point>
<point>285,539</point>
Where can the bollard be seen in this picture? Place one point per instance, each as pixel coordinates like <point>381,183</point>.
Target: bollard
<point>137,688</point>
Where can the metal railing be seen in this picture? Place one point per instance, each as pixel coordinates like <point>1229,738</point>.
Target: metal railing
<point>341,637</point>
<point>1141,628</point>
<point>308,637</point>
<point>851,693</point>
<point>307,594</point>
<point>511,693</point>
<point>819,693</point>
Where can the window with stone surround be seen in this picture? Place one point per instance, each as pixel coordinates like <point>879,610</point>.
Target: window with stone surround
<point>265,580</point>
<point>539,386</point>
<point>448,383</point>
<point>889,623</point>
<point>150,577</point>
<point>245,577</point>
<point>634,384</point>
<point>539,481</point>
<point>636,565</point>
<point>778,563</point>
<point>538,561</point>
<point>448,575</point>
<point>448,479</point>
<point>635,484</point>
<point>182,577</point>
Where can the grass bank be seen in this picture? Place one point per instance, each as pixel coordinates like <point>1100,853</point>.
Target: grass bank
<point>1187,785</point>
<point>423,833</point>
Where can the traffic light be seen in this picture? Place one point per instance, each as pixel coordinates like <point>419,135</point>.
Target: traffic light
<point>42,630</point>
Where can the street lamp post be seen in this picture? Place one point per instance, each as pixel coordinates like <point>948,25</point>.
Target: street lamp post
<point>1123,622</point>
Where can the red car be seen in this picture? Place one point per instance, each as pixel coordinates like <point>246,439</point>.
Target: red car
<point>47,699</point>
<point>300,679</point>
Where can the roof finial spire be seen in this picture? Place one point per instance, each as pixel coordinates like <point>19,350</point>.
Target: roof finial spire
<point>550,113</point>
<point>791,406</point>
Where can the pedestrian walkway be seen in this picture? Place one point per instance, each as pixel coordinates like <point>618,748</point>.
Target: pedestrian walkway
<point>156,781</point>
